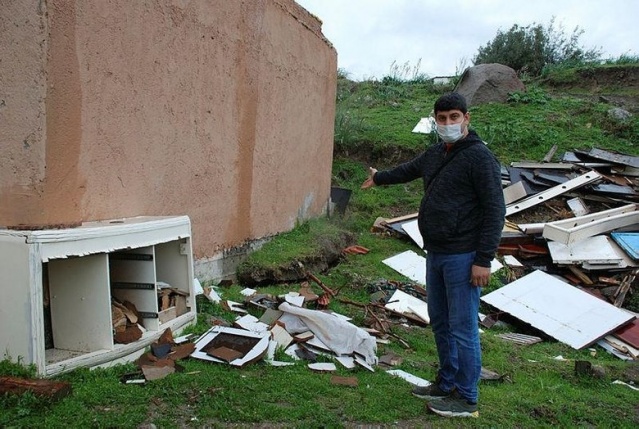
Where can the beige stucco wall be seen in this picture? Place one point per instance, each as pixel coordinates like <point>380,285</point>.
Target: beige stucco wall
<point>220,110</point>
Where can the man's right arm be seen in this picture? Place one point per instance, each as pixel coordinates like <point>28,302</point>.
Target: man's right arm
<point>403,173</point>
<point>369,182</point>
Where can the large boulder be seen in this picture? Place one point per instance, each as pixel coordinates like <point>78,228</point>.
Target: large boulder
<point>487,83</point>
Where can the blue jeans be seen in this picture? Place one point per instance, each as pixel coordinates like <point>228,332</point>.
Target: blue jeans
<point>453,306</point>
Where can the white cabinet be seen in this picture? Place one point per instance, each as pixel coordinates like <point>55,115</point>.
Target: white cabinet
<point>56,287</point>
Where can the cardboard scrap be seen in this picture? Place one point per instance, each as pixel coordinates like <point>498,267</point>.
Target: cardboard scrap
<point>225,353</point>
<point>344,381</point>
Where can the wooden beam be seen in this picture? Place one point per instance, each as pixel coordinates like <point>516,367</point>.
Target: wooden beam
<point>54,390</point>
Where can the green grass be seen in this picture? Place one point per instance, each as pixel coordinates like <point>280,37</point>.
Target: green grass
<point>541,391</point>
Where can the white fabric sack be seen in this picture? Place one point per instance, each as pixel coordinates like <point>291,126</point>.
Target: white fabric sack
<point>341,336</point>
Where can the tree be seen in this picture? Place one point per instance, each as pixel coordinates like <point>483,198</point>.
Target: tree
<point>529,49</point>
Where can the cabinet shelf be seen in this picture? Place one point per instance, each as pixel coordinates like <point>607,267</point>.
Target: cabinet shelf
<point>63,282</point>
<point>131,285</point>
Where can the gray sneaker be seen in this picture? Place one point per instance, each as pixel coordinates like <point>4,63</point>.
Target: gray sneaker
<point>453,406</point>
<point>430,392</point>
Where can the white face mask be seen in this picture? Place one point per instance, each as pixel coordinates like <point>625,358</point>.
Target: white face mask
<point>450,133</point>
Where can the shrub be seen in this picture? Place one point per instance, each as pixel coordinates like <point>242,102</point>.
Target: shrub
<point>529,49</point>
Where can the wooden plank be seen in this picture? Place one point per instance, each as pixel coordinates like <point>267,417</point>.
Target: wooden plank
<point>168,314</point>
<point>551,153</point>
<point>401,218</point>
<point>626,171</point>
<point>54,390</point>
<point>533,200</point>
<point>620,295</point>
<point>583,277</point>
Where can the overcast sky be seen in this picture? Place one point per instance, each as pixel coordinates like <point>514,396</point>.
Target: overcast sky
<point>442,36</point>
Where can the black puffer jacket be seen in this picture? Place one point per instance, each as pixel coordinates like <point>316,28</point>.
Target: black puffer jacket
<point>463,209</point>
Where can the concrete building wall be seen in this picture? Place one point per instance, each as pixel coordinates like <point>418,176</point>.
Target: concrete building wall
<point>220,110</point>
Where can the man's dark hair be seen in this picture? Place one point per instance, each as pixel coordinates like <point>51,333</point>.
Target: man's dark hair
<point>451,101</point>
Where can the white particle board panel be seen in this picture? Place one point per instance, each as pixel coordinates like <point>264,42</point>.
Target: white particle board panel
<point>132,270</point>
<point>594,250</point>
<point>79,289</point>
<point>108,236</point>
<point>19,301</point>
<point>594,253</point>
<point>410,264</point>
<point>626,260</point>
<point>402,302</point>
<point>495,266</point>
<point>563,232</point>
<point>560,310</point>
<point>170,265</point>
<point>126,352</point>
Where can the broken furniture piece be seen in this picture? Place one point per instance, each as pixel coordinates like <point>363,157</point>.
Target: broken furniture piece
<point>236,347</point>
<point>560,310</point>
<point>56,286</point>
<point>568,231</point>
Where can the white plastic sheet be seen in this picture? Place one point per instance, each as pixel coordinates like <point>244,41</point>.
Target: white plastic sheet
<point>341,336</point>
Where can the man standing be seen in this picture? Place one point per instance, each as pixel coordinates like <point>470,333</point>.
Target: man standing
<point>460,218</point>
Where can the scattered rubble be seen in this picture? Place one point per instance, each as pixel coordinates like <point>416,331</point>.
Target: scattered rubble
<point>570,237</point>
<point>573,224</point>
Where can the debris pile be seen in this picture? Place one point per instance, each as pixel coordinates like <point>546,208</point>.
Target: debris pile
<point>296,323</point>
<point>569,253</point>
<point>297,326</point>
<point>568,258</point>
